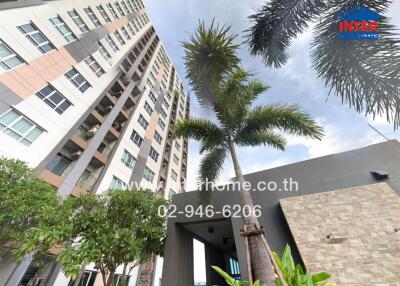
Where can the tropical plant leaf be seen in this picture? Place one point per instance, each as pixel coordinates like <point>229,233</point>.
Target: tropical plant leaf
<point>210,55</point>
<point>319,277</point>
<point>365,74</point>
<point>277,23</point>
<point>261,137</point>
<point>288,118</point>
<point>225,275</point>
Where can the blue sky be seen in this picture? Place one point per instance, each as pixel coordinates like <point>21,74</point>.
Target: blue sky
<point>295,83</point>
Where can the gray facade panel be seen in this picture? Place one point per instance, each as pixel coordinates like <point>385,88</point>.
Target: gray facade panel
<point>338,171</point>
<point>7,98</point>
<point>83,161</point>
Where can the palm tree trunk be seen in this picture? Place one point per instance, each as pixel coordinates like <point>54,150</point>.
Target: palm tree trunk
<point>260,260</point>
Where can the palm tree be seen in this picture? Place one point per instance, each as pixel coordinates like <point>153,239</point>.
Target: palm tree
<point>241,125</point>
<point>365,74</point>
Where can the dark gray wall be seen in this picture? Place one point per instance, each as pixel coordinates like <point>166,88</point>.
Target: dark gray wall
<point>337,171</point>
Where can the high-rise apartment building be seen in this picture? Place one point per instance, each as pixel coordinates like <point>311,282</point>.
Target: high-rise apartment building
<point>88,96</point>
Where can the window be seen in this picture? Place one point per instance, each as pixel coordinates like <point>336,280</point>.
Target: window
<point>112,10</point>
<point>125,7</point>
<point>117,184</point>
<point>94,66</point>
<point>180,115</point>
<point>103,13</point>
<point>126,34</point>
<point>78,21</point>
<point>19,127</point>
<point>166,104</point>
<point>119,38</point>
<point>181,106</point>
<point>143,122</point>
<point>153,154</point>
<point>169,96</point>
<point>163,113</point>
<point>54,99</point>
<point>148,108</point>
<point>176,159</point>
<point>104,53</point>
<point>92,16</point>
<point>157,137</point>
<point>161,123</point>
<point>131,29</point>
<point>33,34</point>
<point>77,79</point>
<point>152,97</point>
<point>135,5</point>
<point>135,137</point>
<point>60,25</point>
<point>171,193</point>
<point>128,159</point>
<point>112,44</point>
<point>8,58</point>
<point>149,83</point>
<point>130,6</point>
<point>118,280</point>
<point>174,175</point>
<point>148,174</point>
<point>88,279</point>
<point>119,8</point>
<point>177,146</point>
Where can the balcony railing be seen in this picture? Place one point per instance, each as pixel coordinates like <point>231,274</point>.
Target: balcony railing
<point>87,182</point>
<point>85,133</point>
<point>60,165</point>
<point>105,149</point>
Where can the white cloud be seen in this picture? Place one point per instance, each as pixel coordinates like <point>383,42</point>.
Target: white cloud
<point>336,140</point>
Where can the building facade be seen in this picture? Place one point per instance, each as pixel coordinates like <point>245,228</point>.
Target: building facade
<point>88,96</point>
<point>339,213</point>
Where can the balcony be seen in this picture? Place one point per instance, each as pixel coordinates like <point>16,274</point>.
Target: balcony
<point>116,90</point>
<point>120,122</point>
<point>87,181</point>
<point>105,149</point>
<point>63,162</point>
<point>105,105</point>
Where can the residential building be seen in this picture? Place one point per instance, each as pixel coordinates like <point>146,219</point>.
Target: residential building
<point>339,213</point>
<point>82,86</point>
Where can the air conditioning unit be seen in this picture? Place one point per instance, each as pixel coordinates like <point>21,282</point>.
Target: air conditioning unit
<point>108,109</point>
<point>76,155</point>
<point>94,129</point>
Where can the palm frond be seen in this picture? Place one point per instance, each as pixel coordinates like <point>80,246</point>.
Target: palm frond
<point>234,97</point>
<point>365,74</point>
<point>276,24</point>
<point>210,168</point>
<point>198,129</point>
<point>288,118</point>
<point>261,137</point>
<point>210,55</point>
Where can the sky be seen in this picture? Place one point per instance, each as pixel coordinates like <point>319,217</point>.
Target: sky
<point>295,83</point>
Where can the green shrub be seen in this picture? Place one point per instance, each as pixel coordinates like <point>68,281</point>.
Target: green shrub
<point>295,275</point>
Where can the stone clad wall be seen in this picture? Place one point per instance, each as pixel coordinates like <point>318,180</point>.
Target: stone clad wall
<point>363,220</point>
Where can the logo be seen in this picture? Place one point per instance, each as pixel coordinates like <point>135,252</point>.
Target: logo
<point>358,23</point>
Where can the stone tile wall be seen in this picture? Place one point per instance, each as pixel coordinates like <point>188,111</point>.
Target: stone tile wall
<point>364,227</point>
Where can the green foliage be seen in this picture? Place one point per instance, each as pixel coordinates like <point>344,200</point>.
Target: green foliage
<point>230,280</point>
<point>363,73</point>
<point>294,275</point>
<point>240,123</point>
<point>213,69</point>
<point>120,227</point>
<point>25,201</point>
<point>210,56</point>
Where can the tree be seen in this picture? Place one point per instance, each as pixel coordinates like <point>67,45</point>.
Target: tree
<point>365,74</point>
<point>118,228</point>
<point>231,97</point>
<point>24,202</point>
